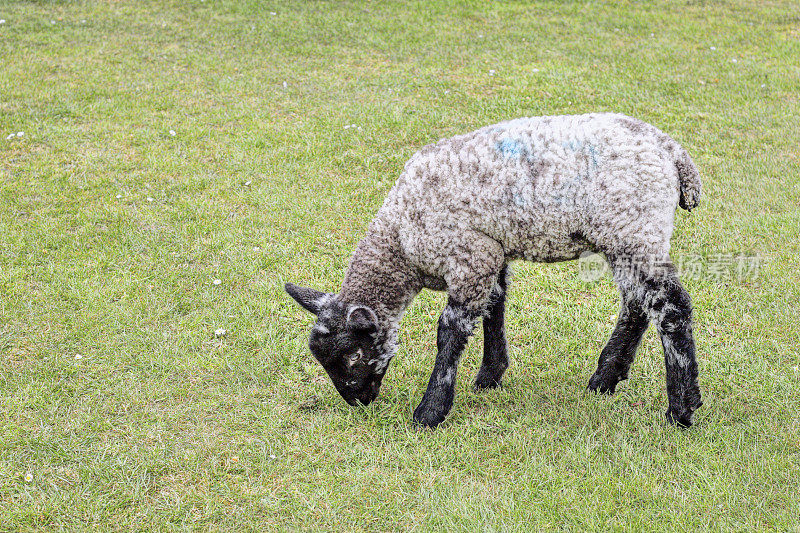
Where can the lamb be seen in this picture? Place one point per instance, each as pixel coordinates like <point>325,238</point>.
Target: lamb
<point>540,189</point>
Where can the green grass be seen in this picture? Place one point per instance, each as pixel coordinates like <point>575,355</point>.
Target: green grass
<point>112,231</point>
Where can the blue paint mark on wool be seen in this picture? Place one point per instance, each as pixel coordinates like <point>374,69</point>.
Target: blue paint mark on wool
<point>573,144</point>
<point>593,154</point>
<point>510,148</point>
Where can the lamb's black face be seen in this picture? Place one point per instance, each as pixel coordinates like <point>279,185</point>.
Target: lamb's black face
<point>344,341</point>
<point>348,355</point>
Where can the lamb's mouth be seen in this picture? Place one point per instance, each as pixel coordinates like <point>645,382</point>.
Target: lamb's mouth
<point>364,396</point>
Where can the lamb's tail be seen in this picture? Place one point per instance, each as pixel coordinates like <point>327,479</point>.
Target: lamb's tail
<point>688,176</point>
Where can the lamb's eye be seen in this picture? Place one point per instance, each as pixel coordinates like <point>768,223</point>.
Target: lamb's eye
<point>355,357</point>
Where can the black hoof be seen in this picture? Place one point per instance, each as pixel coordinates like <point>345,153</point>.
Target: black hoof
<point>485,380</point>
<point>603,384</point>
<point>683,417</point>
<point>681,420</point>
<point>428,418</point>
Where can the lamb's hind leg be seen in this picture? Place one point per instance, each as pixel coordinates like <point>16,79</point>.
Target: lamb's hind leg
<point>667,304</point>
<point>670,308</point>
<point>495,347</point>
<point>617,355</point>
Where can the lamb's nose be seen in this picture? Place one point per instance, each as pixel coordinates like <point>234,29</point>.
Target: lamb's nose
<point>371,393</point>
<point>366,399</point>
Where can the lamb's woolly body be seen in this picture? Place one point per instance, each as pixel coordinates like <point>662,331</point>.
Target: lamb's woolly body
<point>540,189</point>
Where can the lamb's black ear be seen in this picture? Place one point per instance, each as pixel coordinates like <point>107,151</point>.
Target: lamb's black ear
<point>362,319</point>
<point>310,299</point>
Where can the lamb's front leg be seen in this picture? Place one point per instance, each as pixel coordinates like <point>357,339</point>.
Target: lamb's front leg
<point>473,264</point>
<point>455,326</point>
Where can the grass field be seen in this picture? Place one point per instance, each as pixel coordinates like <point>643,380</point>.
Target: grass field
<point>165,145</point>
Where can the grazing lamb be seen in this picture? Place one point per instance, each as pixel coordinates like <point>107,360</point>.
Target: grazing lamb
<point>541,189</point>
